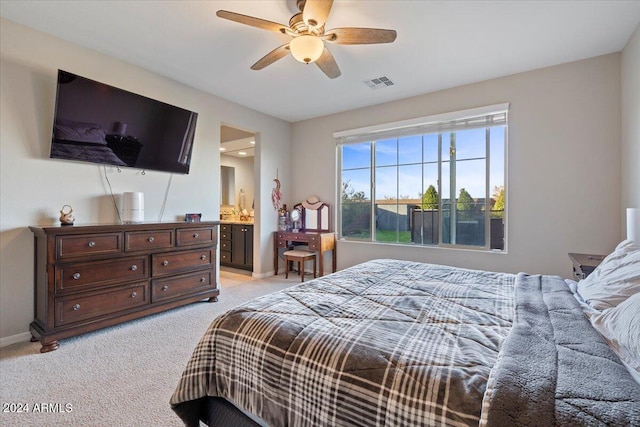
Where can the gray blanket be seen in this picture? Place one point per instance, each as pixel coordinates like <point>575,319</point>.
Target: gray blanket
<point>555,369</point>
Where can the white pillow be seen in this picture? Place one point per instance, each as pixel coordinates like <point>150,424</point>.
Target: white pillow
<point>615,279</point>
<point>620,325</point>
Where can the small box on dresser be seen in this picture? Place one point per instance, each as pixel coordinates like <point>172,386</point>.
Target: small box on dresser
<point>89,277</point>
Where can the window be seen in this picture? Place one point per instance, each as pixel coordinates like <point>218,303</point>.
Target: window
<point>437,181</point>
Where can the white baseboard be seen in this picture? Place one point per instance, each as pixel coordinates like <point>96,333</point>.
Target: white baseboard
<point>262,275</point>
<point>25,336</point>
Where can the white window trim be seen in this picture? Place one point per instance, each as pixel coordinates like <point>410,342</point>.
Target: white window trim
<point>370,131</point>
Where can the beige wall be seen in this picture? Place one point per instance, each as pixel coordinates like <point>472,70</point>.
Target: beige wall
<point>631,123</point>
<point>33,188</point>
<point>563,164</point>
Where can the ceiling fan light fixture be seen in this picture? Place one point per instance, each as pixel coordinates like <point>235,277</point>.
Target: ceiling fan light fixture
<point>306,48</point>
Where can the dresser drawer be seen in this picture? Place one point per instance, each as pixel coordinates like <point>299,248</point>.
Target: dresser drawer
<point>148,240</point>
<point>162,289</point>
<point>225,228</point>
<point>196,236</point>
<point>175,262</point>
<point>225,245</point>
<point>85,275</point>
<point>88,244</point>
<point>284,237</point>
<point>76,308</point>
<point>225,235</point>
<point>314,242</point>
<point>225,257</point>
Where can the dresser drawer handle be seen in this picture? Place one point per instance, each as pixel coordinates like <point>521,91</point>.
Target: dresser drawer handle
<point>203,279</point>
<point>196,235</point>
<point>134,267</point>
<point>76,307</point>
<point>76,276</point>
<point>91,244</point>
<point>165,263</point>
<point>134,294</point>
<point>203,257</point>
<point>165,288</point>
<point>151,239</point>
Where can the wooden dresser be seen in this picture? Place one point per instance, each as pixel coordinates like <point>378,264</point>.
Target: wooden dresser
<point>89,277</point>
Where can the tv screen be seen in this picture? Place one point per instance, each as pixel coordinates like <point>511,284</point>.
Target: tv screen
<point>98,123</point>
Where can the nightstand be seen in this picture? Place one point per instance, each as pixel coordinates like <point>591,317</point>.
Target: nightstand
<point>584,264</point>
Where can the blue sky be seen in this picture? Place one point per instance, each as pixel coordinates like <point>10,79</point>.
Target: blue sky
<point>403,174</point>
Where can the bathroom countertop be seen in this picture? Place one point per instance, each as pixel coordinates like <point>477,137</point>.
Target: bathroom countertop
<point>235,221</point>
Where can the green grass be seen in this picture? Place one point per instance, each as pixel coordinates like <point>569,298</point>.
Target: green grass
<point>393,236</point>
<point>385,236</point>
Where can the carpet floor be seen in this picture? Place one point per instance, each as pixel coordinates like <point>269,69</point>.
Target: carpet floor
<point>118,376</point>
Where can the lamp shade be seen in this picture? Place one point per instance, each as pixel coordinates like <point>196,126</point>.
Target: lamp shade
<point>633,224</point>
<point>306,48</point>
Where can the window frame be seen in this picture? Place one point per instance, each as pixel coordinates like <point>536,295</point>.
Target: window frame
<point>435,124</point>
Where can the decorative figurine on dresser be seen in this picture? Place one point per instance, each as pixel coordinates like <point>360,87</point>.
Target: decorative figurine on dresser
<point>89,277</point>
<point>66,215</point>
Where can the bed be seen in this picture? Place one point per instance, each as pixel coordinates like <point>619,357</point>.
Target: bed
<point>398,343</point>
<point>82,141</point>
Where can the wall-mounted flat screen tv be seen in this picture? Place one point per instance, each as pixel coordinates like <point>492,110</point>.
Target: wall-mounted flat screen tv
<point>98,123</point>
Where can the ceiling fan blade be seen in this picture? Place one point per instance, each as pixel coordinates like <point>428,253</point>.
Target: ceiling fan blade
<point>328,64</point>
<point>271,57</point>
<point>315,12</point>
<point>360,36</point>
<point>253,22</point>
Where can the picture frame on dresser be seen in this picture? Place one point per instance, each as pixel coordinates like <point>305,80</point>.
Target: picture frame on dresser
<point>193,217</point>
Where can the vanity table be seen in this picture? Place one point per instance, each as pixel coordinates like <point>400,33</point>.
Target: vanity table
<point>314,222</point>
<point>317,241</point>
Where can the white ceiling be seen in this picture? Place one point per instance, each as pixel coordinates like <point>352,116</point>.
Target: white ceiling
<point>440,44</point>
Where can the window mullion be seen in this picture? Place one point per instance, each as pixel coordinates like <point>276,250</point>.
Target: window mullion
<point>373,192</point>
<point>487,198</point>
<point>440,204</point>
<point>397,189</point>
<point>452,189</point>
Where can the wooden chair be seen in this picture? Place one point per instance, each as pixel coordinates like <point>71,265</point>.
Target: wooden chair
<point>299,256</point>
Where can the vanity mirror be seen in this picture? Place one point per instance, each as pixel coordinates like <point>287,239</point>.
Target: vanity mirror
<point>296,219</point>
<point>315,215</point>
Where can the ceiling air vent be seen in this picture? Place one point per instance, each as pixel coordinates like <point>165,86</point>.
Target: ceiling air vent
<point>379,82</point>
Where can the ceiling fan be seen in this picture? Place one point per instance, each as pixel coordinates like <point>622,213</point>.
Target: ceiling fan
<point>308,35</point>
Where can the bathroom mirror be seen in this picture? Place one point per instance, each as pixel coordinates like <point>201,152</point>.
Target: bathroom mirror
<point>228,186</point>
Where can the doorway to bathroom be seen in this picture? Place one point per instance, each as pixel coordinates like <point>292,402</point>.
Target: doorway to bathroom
<point>237,198</point>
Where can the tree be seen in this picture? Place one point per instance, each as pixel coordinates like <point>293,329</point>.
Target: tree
<point>430,198</point>
<point>466,204</point>
<point>498,197</point>
<point>349,194</point>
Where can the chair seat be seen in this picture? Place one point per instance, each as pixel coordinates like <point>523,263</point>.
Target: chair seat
<point>299,253</point>
<point>299,256</point>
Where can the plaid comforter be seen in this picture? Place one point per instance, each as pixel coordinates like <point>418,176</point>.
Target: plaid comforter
<point>384,343</point>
